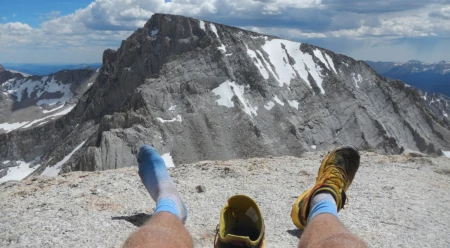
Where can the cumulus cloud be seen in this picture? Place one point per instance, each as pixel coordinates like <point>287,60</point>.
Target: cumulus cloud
<point>15,28</point>
<point>443,13</point>
<point>104,23</point>
<point>379,6</point>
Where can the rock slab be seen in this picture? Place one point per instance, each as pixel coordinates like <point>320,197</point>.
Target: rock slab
<point>395,201</point>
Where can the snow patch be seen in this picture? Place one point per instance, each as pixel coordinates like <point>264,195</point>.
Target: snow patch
<point>225,93</point>
<point>319,55</point>
<point>227,90</point>
<point>202,25</point>
<point>222,48</point>
<point>259,37</point>
<point>42,123</point>
<point>425,96</point>
<point>293,103</point>
<point>277,100</point>
<point>304,63</point>
<point>444,114</point>
<point>53,171</point>
<point>168,160</point>
<point>214,29</point>
<point>266,63</point>
<point>64,112</point>
<point>314,147</point>
<point>52,110</point>
<point>18,172</point>
<point>178,118</point>
<point>330,62</point>
<point>154,32</point>
<point>27,86</point>
<point>258,63</point>
<point>127,69</point>
<point>269,105</point>
<point>5,162</point>
<point>446,153</point>
<point>172,108</point>
<point>23,74</point>
<point>8,127</point>
<point>357,80</point>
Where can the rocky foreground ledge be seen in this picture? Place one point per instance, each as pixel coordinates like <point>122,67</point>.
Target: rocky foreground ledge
<point>394,201</point>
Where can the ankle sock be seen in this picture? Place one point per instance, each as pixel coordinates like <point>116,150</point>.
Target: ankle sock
<point>322,203</point>
<point>157,181</point>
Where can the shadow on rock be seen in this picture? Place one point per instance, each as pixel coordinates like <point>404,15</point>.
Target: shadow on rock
<point>137,219</point>
<point>296,233</point>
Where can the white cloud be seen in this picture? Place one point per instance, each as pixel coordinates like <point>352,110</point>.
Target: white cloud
<point>104,23</point>
<point>4,18</point>
<point>13,15</point>
<point>443,13</point>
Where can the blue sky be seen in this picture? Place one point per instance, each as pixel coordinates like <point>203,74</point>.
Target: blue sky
<point>50,31</point>
<point>35,12</point>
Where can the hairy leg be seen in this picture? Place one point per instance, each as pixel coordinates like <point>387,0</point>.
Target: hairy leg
<point>162,230</point>
<point>165,228</point>
<point>326,230</point>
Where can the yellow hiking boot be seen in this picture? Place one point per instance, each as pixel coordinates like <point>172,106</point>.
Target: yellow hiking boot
<point>241,224</point>
<point>335,175</point>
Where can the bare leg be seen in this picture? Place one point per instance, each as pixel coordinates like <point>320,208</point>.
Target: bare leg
<point>325,230</point>
<point>316,210</point>
<point>162,230</point>
<point>165,228</point>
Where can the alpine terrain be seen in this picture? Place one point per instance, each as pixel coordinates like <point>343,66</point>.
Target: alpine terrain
<point>198,90</point>
<point>429,77</point>
<point>30,101</point>
<point>25,98</point>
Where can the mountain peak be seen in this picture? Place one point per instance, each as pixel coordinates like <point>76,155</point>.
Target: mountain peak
<point>1,68</point>
<point>198,90</point>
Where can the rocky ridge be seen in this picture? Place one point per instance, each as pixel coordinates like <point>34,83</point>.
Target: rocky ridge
<point>27,99</point>
<point>198,90</point>
<point>29,102</point>
<point>439,104</point>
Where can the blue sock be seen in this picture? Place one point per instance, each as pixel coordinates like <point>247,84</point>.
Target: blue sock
<point>157,181</point>
<point>322,203</point>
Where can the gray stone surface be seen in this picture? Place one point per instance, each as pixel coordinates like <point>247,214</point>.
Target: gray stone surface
<point>171,75</point>
<point>394,201</point>
<point>439,104</point>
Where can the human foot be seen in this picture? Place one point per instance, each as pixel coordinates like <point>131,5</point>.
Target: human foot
<point>157,181</point>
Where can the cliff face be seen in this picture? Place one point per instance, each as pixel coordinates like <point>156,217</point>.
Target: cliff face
<point>29,106</point>
<point>199,90</point>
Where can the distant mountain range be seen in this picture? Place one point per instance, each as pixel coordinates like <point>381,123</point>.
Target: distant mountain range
<point>46,69</point>
<point>429,77</point>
